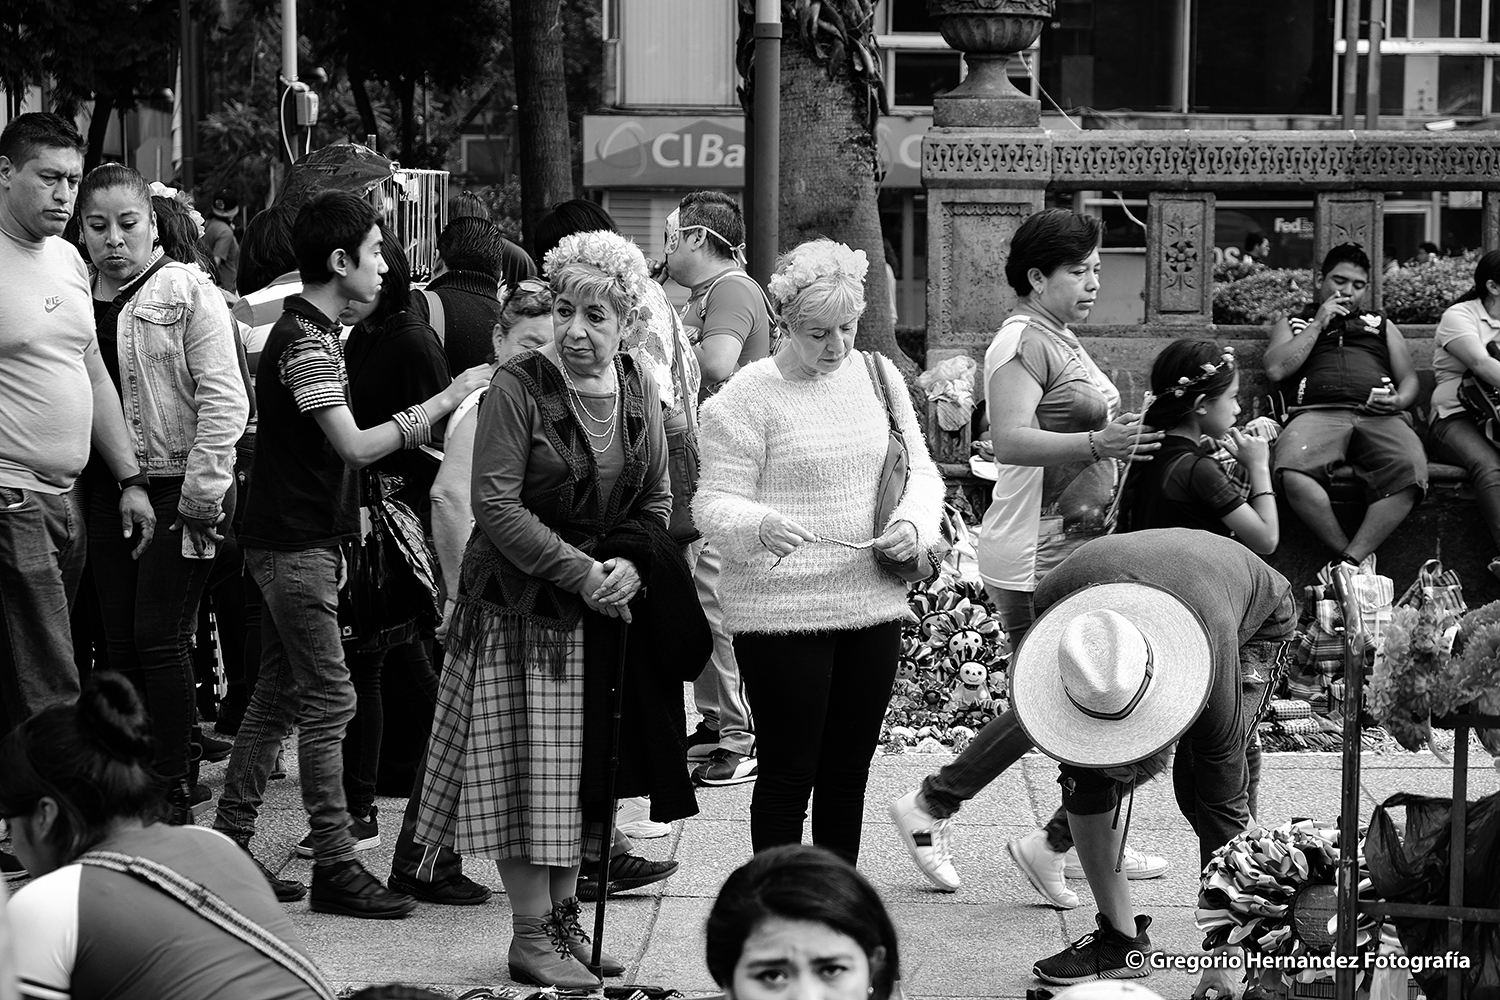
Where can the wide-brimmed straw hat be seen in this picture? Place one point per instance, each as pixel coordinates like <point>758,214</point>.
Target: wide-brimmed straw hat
<point>1111,674</point>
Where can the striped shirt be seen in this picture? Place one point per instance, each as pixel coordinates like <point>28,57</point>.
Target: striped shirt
<point>302,495</point>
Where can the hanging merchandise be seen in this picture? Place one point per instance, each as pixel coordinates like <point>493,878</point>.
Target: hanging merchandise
<point>949,385</point>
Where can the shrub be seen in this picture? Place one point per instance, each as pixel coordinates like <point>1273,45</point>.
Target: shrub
<point>1263,297</point>
<point>1419,293</point>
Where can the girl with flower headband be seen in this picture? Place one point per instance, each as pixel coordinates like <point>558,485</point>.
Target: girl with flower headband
<point>1196,387</point>
<point>793,448</point>
<point>570,500</point>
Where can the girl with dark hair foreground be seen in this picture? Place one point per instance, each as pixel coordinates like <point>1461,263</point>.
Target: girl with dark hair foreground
<point>801,919</point>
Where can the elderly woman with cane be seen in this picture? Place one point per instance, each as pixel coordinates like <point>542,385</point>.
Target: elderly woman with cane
<point>570,501</point>
<point>793,447</point>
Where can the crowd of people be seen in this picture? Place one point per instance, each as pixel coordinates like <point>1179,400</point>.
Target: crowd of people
<point>534,482</point>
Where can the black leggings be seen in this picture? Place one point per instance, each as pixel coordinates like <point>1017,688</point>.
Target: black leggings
<point>818,699</point>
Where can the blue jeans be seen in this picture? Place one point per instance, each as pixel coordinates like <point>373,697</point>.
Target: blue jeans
<point>997,745</point>
<point>1460,441</point>
<point>42,547</point>
<point>303,680</point>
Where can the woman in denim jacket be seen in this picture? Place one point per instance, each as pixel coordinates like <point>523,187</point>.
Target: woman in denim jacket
<point>168,341</point>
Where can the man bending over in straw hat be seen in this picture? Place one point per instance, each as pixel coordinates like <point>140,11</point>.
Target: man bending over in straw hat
<point>1139,648</point>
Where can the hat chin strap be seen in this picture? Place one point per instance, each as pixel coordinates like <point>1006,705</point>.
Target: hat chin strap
<point>1130,707</point>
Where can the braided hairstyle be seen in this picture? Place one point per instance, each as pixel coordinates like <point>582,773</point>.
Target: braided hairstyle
<point>1184,374</point>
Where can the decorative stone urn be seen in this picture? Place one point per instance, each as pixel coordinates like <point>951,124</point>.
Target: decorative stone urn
<point>988,33</point>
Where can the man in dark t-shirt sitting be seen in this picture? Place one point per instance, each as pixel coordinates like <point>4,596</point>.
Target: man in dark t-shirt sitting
<point>302,509</point>
<point>1348,382</point>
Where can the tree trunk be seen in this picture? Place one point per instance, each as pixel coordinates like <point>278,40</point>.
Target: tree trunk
<point>104,106</point>
<point>828,180</point>
<point>356,70</point>
<point>546,154</point>
<point>407,92</point>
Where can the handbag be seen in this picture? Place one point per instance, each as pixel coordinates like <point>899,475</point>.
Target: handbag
<point>390,592</point>
<point>216,910</point>
<point>1436,586</point>
<point>891,487</point>
<point>1481,399</point>
<point>682,459</point>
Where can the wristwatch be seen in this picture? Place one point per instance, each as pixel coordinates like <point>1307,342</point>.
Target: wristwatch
<point>139,479</point>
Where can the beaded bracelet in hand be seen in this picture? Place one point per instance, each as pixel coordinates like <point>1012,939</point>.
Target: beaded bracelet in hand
<point>1093,449</point>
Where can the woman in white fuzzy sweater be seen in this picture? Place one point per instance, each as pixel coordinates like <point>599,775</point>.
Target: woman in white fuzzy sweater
<point>792,450</point>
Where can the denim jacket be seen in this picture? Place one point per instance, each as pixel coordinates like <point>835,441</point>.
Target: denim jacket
<point>184,398</point>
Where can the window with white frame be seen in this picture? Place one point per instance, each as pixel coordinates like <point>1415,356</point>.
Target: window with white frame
<point>1438,57</point>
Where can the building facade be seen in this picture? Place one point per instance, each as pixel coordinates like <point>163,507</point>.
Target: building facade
<point>672,121</point>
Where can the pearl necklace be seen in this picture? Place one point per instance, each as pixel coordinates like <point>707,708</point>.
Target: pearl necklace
<point>584,417</point>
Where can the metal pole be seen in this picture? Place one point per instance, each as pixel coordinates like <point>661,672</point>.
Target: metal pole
<point>1185,57</point>
<point>765,181</point>
<point>1346,939</point>
<point>188,98</point>
<point>1351,61</point>
<point>1372,66</point>
<point>288,116</point>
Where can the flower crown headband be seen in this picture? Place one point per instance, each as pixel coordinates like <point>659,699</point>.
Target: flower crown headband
<point>1206,371</point>
<point>609,252</point>
<point>812,261</point>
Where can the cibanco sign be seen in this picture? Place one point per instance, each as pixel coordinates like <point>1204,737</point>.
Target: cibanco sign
<point>684,151</point>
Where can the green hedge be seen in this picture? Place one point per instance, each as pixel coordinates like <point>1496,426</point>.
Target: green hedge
<point>1416,294</point>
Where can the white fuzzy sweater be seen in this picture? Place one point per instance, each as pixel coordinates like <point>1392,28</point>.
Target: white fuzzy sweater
<point>813,452</point>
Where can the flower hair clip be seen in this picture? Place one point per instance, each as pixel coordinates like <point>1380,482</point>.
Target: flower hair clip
<point>809,262</point>
<point>1206,371</point>
<point>609,252</point>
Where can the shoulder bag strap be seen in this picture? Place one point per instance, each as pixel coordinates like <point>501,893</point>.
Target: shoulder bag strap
<point>883,392</point>
<point>212,907</point>
<point>679,371</point>
<point>435,317</point>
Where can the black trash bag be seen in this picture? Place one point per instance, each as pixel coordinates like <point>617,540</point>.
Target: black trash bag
<point>1413,868</point>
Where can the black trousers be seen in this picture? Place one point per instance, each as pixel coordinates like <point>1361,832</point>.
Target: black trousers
<point>818,699</point>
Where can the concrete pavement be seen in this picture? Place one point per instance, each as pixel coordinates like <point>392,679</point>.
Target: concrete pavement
<point>978,942</point>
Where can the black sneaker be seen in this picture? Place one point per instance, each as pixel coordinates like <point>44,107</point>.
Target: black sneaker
<point>725,767</point>
<point>11,867</point>
<point>286,890</point>
<point>211,750</point>
<point>456,890</point>
<point>701,742</point>
<point>348,889</point>
<point>1101,954</point>
<point>628,871</point>
<point>365,831</point>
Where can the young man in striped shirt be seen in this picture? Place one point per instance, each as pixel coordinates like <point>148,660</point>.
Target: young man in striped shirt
<point>303,507</point>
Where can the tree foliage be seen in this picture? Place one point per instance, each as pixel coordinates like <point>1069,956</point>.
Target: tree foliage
<point>111,53</point>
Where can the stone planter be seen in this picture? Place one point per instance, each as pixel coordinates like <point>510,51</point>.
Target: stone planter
<point>988,33</point>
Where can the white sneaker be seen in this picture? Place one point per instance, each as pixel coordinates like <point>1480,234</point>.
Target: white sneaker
<point>1136,864</point>
<point>926,840</point>
<point>633,819</point>
<point>1043,867</point>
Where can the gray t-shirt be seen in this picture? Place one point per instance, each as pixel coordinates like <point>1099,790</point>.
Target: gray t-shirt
<point>46,333</point>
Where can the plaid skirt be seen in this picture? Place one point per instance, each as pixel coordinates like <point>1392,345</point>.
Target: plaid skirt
<point>505,761</point>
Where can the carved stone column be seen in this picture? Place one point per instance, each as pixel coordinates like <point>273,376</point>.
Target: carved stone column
<point>1180,258</point>
<point>1352,217</point>
<point>985,165</point>
<point>1490,236</point>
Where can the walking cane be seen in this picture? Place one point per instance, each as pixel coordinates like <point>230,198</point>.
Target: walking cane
<point>617,693</point>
